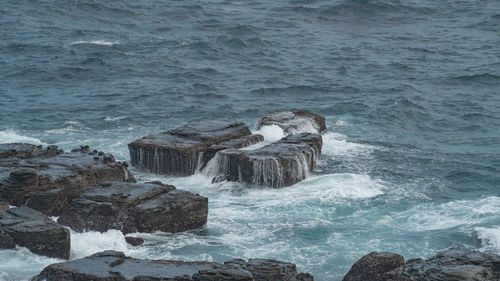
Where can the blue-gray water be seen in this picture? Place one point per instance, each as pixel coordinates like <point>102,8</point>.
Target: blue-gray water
<point>410,89</point>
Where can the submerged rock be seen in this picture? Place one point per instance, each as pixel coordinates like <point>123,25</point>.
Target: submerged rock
<point>31,229</point>
<point>134,241</point>
<point>449,265</point>
<point>293,122</point>
<point>112,265</point>
<point>136,207</point>
<point>181,151</point>
<point>279,164</point>
<point>47,178</point>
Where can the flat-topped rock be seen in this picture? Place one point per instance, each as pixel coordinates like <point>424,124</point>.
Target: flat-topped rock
<point>31,229</point>
<point>293,122</point>
<point>279,164</point>
<point>135,207</point>
<point>47,178</point>
<point>180,151</point>
<point>115,266</point>
<point>449,265</point>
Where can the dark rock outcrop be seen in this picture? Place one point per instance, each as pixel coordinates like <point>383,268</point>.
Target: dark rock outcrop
<point>31,229</point>
<point>293,122</point>
<point>375,266</point>
<point>136,207</point>
<point>181,151</point>
<point>115,266</point>
<point>449,265</point>
<point>3,205</point>
<point>279,164</point>
<point>46,179</point>
<point>134,241</point>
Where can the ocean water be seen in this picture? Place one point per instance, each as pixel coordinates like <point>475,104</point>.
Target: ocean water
<point>410,90</point>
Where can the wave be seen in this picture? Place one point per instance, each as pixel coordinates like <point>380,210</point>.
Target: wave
<point>335,144</point>
<point>95,42</point>
<point>10,136</point>
<point>432,216</point>
<point>113,119</point>
<point>490,238</point>
<point>483,78</point>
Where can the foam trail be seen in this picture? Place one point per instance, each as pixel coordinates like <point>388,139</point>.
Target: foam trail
<point>10,136</point>
<point>95,42</point>
<point>113,119</point>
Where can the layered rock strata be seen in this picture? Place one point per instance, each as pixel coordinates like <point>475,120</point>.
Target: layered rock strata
<point>136,207</point>
<point>31,229</point>
<point>115,266</point>
<point>181,151</point>
<point>449,265</point>
<point>46,179</point>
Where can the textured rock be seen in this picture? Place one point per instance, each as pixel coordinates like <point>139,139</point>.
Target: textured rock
<point>115,266</point>
<point>180,151</point>
<point>293,122</point>
<point>279,164</point>
<point>4,205</point>
<point>449,265</point>
<point>374,266</point>
<point>134,241</point>
<point>136,207</point>
<point>39,176</point>
<point>35,231</point>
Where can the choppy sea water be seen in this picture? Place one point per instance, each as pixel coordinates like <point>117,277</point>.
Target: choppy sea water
<point>410,89</point>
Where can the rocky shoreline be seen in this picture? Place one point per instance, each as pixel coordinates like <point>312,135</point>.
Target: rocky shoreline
<point>88,190</point>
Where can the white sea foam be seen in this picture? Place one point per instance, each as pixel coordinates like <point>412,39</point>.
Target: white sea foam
<point>113,119</point>
<point>95,42</point>
<point>490,238</point>
<point>432,216</point>
<point>88,243</point>
<point>17,264</point>
<point>10,136</point>
<point>335,144</point>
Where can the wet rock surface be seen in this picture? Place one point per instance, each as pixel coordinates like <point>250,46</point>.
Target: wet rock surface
<point>449,265</point>
<point>31,229</point>
<point>279,164</point>
<point>112,265</point>
<point>134,241</point>
<point>293,122</point>
<point>38,176</point>
<point>136,207</point>
<point>180,151</point>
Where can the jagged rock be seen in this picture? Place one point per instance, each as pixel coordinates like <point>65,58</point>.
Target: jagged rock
<point>134,241</point>
<point>35,231</point>
<point>449,265</point>
<point>115,266</point>
<point>6,242</point>
<point>279,164</point>
<point>136,207</point>
<point>36,176</point>
<point>303,277</point>
<point>4,205</point>
<point>180,151</point>
<point>293,122</point>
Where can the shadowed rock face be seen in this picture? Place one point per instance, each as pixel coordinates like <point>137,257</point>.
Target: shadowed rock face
<point>449,265</point>
<point>136,207</point>
<point>278,164</point>
<point>47,179</point>
<point>180,151</point>
<point>115,266</point>
<point>293,122</point>
<point>31,229</point>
